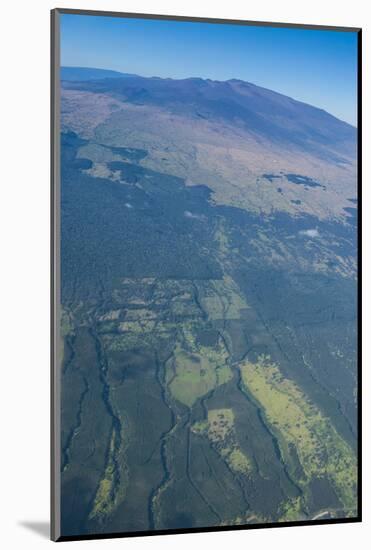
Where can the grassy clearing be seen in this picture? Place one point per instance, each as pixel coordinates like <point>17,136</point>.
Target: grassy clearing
<point>112,486</point>
<point>223,374</point>
<point>195,377</point>
<point>137,326</point>
<point>218,358</point>
<point>220,424</point>
<point>239,462</point>
<point>291,510</point>
<point>112,315</point>
<point>220,430</point>
<point>223,299</point>
<point>299,423</point>
<point>132,340</point>
<point>105,502</point>
<point>198,370</point>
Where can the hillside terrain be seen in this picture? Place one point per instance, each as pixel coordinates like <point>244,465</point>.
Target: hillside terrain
<point>208,285</point>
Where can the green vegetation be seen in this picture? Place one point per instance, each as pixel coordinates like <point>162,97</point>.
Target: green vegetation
<point>223,375</point>
<point>220,430</point>
<point>239,462</point>
<point>167,290</point>
<point>299,423</point>
<point>220,424</point>
<point>104,499</point>
<point>291,510</point>
<point>222,299</point>
<point>194,377</point>
<point>111,488</point>
<point>194,373</point>
<point>246,520</point>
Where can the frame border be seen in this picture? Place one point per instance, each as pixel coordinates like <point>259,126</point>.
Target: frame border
<point>55,425</point>
<point>55,477</point>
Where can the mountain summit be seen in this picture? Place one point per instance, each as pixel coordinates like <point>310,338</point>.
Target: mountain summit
<point>229,135</point>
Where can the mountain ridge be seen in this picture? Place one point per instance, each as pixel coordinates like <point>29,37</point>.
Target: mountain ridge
<point>253,147</point>
<point>89,73</point>
<point>262,112</point>
<point>71,73</point>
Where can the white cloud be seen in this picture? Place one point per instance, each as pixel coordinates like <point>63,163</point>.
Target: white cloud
<point>312,233</point>
<point>189,214</point>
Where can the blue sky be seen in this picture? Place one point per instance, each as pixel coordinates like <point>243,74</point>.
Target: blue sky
<point>317,67</point>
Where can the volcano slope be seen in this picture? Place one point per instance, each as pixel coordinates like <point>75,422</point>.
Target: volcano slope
<point>208,326</point>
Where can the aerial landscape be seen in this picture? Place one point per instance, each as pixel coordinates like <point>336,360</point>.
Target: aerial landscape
<point>208,334</point>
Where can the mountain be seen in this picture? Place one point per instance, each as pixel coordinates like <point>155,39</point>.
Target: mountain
<point>87,73</point>
<point>260,111</point>
<point>230,136</point>
<point>209,306</point>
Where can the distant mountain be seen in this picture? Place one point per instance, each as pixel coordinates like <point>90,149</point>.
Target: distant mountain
<point>261,111</point>
<point>209,305</point>
<point>253,147</point>
<point>87,73</point>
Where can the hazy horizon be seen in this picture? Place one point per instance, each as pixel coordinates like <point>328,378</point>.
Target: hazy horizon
<point>317,67</point>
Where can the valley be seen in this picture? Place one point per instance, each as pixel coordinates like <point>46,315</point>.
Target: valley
<point>209,290</point>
